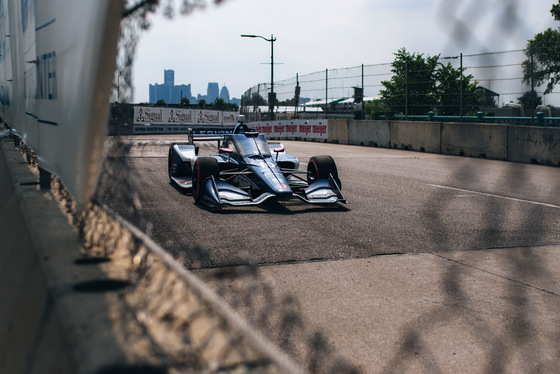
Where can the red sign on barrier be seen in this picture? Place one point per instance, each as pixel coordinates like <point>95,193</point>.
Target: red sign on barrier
<point>305,129</point>
<point>312,129</point>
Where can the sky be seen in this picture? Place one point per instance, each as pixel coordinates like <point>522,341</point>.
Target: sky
<point>314,35</point>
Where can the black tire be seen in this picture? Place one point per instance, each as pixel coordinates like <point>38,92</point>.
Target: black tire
<point>319,167</point>
<point>204,167</point>
<point>170,163</point>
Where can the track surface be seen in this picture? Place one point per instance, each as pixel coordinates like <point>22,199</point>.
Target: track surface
<point>475,291</point>
<point>399,202</point>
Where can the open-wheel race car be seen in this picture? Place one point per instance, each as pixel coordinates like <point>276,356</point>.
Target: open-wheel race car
<point>246,171</point>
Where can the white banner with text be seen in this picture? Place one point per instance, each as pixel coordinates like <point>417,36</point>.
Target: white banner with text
<point>146,115</point>
<point>309,129</point>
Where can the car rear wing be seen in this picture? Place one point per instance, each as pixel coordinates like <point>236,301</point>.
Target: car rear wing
<point>207,135</point>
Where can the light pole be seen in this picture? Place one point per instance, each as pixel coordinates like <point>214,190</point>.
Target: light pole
<point>271,97</point>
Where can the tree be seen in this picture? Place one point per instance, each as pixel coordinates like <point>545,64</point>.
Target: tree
<point>374,108</point>
<point>161,102</point>
<point>411,89</point>
<point>530,99</point>
<point>202,103</point>
<point>219,104</point>
<point>257,100</point>
<point>543,56</point>
<point>231,107</point>
<point>185,102</point>
<point>448,91</point>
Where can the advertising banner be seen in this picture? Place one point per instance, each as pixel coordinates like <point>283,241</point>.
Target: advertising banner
<point>62,56</point>
<point>144,115</point>
<point>308,129</point>
<point>229,118</point>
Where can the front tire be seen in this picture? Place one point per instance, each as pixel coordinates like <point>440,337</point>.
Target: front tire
<point>319,167</point>
<point>204,168</point>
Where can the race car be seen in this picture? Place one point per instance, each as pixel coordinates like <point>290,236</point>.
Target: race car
<point>246,171</point>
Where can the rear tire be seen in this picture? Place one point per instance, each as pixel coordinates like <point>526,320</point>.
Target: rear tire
<point>204,168</point>
<point>170,163</point>
<point>319,167</point>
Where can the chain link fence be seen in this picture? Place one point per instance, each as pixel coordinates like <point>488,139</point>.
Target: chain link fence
<point>157,299</point>
<point>499,77</point>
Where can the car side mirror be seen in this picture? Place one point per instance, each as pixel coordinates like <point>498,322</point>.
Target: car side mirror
<point>278,150</point>
<point>225,150</point>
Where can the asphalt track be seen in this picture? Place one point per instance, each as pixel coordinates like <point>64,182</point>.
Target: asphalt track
<point>399,202</point>
<point>416,209</point>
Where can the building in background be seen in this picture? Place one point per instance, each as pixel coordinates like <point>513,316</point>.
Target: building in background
<point>224,94</point>
<point>172,94</point>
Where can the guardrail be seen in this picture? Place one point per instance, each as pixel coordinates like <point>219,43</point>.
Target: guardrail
<point>538,120</point>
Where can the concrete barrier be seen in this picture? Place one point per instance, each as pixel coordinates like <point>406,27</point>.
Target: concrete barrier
<point>38,248</point>
<point>475,140</point>
<point>66,311</point>
<point>338,131</point>
<point>369,133</point>
<point>540,145</point>
<point>417,136</point>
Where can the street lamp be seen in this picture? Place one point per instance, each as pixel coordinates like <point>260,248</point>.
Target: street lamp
<point>271,98</point>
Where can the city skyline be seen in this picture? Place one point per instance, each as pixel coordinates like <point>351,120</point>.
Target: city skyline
<point>172,93</point>
<point>316,38</point>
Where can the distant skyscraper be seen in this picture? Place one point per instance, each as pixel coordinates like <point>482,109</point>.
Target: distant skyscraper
<point>169,77</point>
<point>213,92</point>
<point>172,94</point>
<point>180,91</point>
<point>163,91</point>
<point>224,94</point>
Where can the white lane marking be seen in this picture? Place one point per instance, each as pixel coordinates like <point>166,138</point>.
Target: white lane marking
<point>498,196</point>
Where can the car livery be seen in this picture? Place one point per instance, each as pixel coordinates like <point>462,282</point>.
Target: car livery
<point>246,171</point>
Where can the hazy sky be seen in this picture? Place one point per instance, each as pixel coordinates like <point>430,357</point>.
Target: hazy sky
<point>313,35</point>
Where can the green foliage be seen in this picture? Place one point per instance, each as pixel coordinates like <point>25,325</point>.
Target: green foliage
<point>530,99</point>
<point>543,56</point>
<point>231,107</point>
<point>448,91</point>
<point>185,102</point>
<point>288,102</point>
<point>257,100</point>
<point>202,104</point>
<point>555,11</point>
<point>412,86</point>
<point>161,102</point>
<point>375,108</point>
<point>421,84</point>
<point>219,104</point>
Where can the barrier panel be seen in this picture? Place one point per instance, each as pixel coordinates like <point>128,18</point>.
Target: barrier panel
<point>338,131</point>
<point>292,129</point>
<point>534,145</point>
<point>528,144</point>
<point>475,140</point>
<point>58,62</point>
<point>418,136</point>
<point>162,116</point>
<point>371,133</point>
